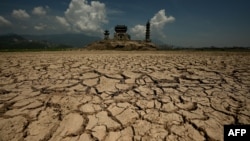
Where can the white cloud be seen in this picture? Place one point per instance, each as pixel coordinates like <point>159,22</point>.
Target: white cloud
<point>62,21</point>
<point>138,31</point>
<point>84,16</point>
<point>160,19</point>
<point>157,23</point>
<point>4,22</point>
<point>40,27</point>
<point>20,14</point>
<point>40,11</point>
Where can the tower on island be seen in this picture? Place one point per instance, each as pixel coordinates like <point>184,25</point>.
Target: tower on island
<point>147,37</point>
<point>122,40</point>
<point>120,33</point>
<point>106,35</point>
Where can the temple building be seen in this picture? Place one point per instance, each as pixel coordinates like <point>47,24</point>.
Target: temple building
<point>106,35</point>
<point>120,33</point>
<point>122,41</point>
<point>147,36</point>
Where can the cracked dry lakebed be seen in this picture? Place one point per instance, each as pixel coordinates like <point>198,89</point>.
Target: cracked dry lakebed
<point>109,95</point>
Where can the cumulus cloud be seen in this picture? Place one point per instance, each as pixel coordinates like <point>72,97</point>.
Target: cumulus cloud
<point>40,27</point>
<point>62,21</point>
<point>20,14</point>
<point>138,30</point>
<point>40,11</point>
<point>84,16</point>
<point>4,22</point>
<point>158,22</point>
<point>160,19</point>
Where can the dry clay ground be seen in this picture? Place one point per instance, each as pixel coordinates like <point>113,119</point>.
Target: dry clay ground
<point>82,96</point>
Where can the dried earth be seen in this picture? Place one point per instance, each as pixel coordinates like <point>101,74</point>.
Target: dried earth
<point>109,96</point>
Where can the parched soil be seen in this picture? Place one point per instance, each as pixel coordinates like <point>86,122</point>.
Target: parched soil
<point>110,95</point>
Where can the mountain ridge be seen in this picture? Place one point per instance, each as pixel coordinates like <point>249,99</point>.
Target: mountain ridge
<point>70,39</point>
<point>75,40</point>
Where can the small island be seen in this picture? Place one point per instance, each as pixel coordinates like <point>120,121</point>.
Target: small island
<point>122,41</point>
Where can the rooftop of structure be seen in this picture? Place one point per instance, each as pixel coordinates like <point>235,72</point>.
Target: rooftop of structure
<point>121,26</point>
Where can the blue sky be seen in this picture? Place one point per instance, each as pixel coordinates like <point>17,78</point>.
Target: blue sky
<point>195,23</point>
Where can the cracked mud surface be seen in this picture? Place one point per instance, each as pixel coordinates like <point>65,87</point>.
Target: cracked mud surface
<point>108,96</point>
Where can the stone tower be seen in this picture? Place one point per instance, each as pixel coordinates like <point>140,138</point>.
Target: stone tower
<point>147,38</point>
<point>106,35</point>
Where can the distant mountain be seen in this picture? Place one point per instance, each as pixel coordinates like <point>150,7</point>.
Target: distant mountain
<point>14,42</point>
<point>157,41</point>
<point>76,40</point>
<point>11,38</point>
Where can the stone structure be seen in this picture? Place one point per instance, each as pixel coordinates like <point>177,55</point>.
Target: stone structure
<point>120,33</point>
<point>147,38</point>
<point>106,35</point>
<point>122,41</point>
